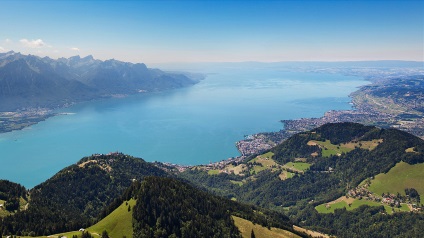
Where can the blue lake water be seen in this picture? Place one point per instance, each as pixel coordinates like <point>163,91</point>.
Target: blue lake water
<point>192,125</point>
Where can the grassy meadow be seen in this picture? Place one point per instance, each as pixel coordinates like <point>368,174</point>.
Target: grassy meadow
<point>329,149</point>
<point>297,166</point>
<point>402,176</point>
<point>355,203</point>
<point>246,227</point>
<point>117,224</point>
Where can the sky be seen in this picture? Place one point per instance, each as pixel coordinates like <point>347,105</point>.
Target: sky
<point>215,31</point>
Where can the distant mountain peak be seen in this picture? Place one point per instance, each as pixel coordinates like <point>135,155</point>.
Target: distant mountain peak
<point>7,54</point>
<point>74,57</point>
<point>74,79</point>
<point>88,57</point>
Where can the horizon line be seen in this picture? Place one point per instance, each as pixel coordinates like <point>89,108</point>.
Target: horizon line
<point>228,62</point>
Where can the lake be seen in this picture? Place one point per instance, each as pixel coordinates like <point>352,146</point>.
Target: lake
<point>190,126</point>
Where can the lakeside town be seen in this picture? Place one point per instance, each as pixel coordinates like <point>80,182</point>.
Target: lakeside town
<point>20,119</point>
<point>394,99</point>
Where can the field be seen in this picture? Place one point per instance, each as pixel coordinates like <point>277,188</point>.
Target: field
<point>410,150</point>
<point>246,227</point>
<point>286,175</point>
<point>117,224</point>
<point>344,202</point>
<point>401,176</point>
<point>330,209</point>
<point>261,163</point>
<point>265,160</point>
<point>213,171</point>
<point>297,166</point>
<point>311,233</point>
<point>329,149</point>
<point>236,169</point>
<point>368,145</point>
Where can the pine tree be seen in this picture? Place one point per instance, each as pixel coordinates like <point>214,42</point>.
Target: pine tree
<point>105,234</point>
<point>252,234</point>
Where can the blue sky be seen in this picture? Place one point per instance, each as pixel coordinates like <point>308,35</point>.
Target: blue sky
<point>216,31</point>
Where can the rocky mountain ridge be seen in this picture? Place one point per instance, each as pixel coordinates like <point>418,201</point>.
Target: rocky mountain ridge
<point>28,81</point>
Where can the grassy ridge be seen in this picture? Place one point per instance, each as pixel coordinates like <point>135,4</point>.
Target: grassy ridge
<point>324,208</point>
<point>299,166</point>
<point>117,224</point>
<point>330,149</point>
<point>401,176</point>
<point>246,227</point>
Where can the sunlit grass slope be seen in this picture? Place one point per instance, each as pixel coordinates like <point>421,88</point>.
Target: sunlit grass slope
<point>246,226</point>
<point>117,224</point>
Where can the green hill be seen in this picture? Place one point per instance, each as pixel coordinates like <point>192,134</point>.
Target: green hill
<point>341,156</point>
<point>116,224</point>
<point>399,178</point>
<point>170,208</point>
<point>76,195</point>
<point>167,207</point>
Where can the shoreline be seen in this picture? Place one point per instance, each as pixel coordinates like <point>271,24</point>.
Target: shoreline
<point>366,111</point>
<point>19,120</point>
<point>363,111</point>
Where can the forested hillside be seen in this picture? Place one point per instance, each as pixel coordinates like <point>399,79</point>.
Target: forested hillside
<point>339,158</point>
<point>170,208</point>
<point>75,196</point>
<point>11,195</point>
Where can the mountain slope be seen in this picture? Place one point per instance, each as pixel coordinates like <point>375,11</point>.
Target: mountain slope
<point>117,224</point>
<point>75,196</point>
<point>13,197</point>
<point>189,212</point>
<point>320,183</point>
<point>170,208</point>
<point>339,157</point>
<point>28,81</point>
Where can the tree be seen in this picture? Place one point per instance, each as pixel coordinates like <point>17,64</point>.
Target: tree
<point>252,234</point>
<point>105,234</point>
<point>86,234</point>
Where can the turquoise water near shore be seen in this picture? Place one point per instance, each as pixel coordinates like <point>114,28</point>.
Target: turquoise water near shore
<point>194,125</point>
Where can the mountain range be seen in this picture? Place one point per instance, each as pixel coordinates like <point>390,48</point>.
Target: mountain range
<point>28,81</point>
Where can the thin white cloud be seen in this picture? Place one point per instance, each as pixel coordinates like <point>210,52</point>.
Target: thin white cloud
<point>33,43</point>
<point>75,49</point>
<point>8,41</point>
<point>2,49</point>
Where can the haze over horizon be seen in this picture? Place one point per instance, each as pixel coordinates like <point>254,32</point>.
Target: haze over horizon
<point>215,31</point>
